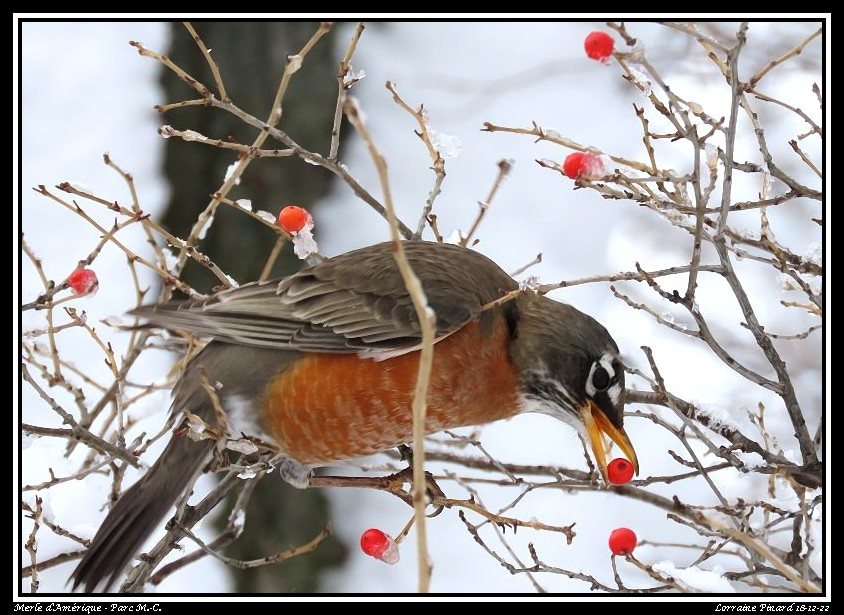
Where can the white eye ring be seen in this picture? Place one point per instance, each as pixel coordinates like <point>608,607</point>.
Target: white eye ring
<point>605,364</point>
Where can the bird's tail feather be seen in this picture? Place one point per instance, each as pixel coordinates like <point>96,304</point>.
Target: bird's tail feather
<point>138,512</point>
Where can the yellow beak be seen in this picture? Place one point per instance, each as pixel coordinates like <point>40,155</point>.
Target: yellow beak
<point>597,424</point>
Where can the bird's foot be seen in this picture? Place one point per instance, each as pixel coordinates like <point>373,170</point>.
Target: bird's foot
<point>295,473</point>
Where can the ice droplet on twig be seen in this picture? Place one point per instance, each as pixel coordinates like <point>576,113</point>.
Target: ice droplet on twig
<point>447,145</point>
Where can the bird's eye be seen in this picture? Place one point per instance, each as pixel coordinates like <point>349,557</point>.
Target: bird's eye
<point>600,378</point>
<point>606,375</point>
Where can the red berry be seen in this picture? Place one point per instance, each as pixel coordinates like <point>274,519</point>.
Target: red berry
<point>376,543</point>
<point>619,471</point>
<point>584,164</point>
<point>622,540</point>
<point>83,281</point>
<point>293,218</point>
<point>599,46</point>
<point>573,165</point>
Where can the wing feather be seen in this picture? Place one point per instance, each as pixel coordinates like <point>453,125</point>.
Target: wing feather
<point>356,302</point>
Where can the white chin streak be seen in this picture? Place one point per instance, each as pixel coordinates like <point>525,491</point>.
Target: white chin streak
<point>532,403</point>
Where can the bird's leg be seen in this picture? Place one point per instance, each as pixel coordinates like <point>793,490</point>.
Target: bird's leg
<point>295,473</point>
<point>258,457</point>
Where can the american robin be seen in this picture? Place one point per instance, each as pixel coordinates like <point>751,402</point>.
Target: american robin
<point>323,364</point>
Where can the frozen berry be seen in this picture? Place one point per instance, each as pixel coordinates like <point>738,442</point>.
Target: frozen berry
<point>619,471</point>
<point>599,46</point>
<point>584,164</point>
<point>83,281</point>
<point>573,165</point>
<point>376,543</point>
<point>293,218</point>
<point>622,541</point>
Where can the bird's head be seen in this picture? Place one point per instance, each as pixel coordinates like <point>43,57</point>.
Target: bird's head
<point>571,370</point>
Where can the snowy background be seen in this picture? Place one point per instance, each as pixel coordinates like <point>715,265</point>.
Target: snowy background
<point>85,91</point>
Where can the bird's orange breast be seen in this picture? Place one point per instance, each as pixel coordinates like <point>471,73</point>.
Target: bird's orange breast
<point>326,408</point>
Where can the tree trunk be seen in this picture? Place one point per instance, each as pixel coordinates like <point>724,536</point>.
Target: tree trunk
<point>251,57</point>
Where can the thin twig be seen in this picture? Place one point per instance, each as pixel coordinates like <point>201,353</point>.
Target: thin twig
<point>504,167</point>
<point>794,51</point>
<point>206,53</point>
<point>343,86</point>
<point>427,326</point>
<point>437,161</point>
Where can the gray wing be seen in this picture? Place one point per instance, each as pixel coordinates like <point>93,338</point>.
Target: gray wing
<point>351,303</point>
